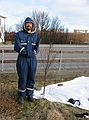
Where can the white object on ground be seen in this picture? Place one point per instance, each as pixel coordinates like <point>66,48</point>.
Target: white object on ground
<point>78,89</point>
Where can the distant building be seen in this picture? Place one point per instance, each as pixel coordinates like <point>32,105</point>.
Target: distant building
<point>80,31</point>
<point>2,28</point>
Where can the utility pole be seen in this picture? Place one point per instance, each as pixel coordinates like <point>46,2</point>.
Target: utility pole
<point>2,28</point>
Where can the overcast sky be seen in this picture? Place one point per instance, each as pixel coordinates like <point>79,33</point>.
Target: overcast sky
<point>74,14</point>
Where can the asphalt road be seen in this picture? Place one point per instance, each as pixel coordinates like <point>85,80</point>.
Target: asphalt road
<point>78,52</point>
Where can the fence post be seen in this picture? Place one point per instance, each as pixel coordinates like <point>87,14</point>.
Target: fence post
<point>60,60</point>
<point>2,59</point>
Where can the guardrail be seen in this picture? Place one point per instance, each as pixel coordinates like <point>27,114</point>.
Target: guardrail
<point>8,55</point>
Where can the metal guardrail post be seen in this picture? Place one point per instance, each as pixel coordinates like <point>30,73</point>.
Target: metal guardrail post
<point>2,60</point>
<point>60,60</point>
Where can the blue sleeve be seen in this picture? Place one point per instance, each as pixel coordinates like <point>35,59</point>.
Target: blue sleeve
<point>17,45</point>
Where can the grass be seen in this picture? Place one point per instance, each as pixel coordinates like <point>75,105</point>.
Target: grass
<point>39,109</point>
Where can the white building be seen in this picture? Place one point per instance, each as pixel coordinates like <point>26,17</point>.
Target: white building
<point>80,31</point>
<point>2,28</point>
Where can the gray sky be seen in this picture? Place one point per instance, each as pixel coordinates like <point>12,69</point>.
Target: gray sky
<point>72,13</point>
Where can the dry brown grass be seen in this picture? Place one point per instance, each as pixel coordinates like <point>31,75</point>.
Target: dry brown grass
<point>39,109</point>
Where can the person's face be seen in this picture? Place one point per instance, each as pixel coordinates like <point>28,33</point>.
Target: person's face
<point>28,26</point>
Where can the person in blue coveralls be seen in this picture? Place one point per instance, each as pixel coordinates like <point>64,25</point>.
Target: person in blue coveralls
<point>27,45</point>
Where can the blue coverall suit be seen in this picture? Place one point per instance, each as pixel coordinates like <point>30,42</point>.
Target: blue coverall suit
<point>26,44</point>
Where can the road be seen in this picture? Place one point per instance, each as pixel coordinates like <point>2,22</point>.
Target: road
<point>71,51</point>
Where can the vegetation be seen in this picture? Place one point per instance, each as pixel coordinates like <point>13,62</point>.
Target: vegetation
<point>51,30</point>
<point>39,109</point>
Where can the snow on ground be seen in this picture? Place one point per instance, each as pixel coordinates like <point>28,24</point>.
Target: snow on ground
<point>77,89</point>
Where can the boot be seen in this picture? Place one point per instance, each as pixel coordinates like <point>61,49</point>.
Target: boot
<point>30,98</point>
<point>21,100</point>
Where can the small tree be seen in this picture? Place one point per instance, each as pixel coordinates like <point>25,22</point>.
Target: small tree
<point>47,58</point>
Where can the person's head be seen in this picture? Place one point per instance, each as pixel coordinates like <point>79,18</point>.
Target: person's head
<point>29,25</point>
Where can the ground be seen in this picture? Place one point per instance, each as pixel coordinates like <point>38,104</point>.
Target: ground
<point>39,109</point>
